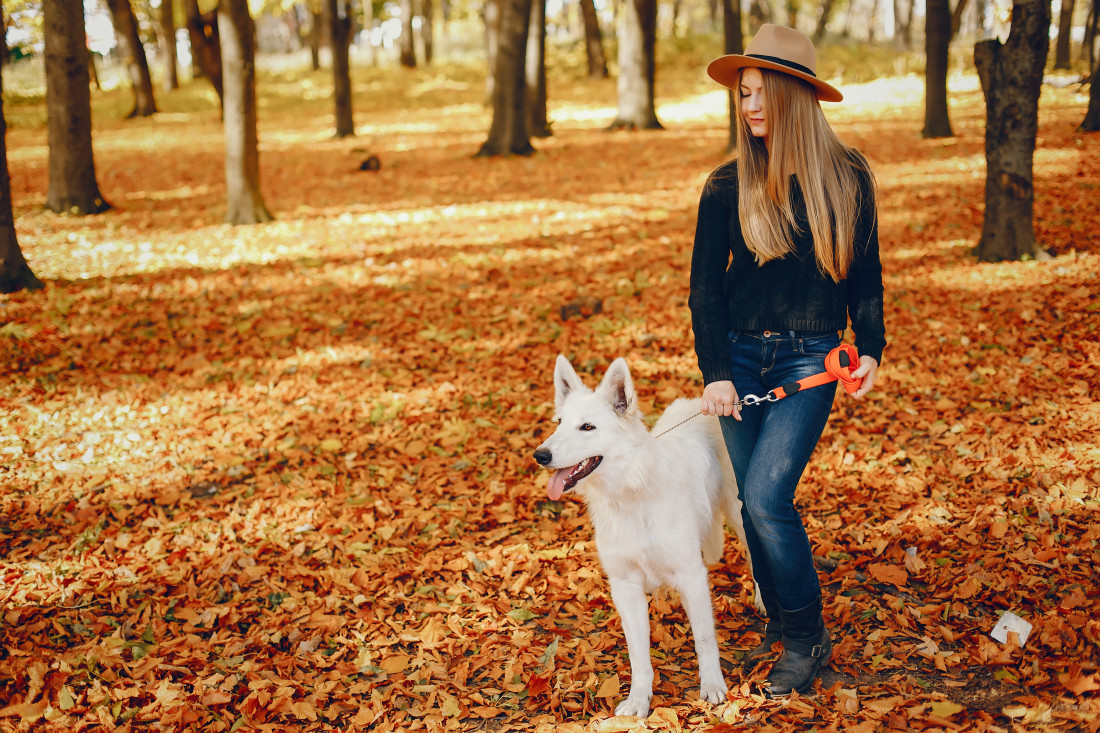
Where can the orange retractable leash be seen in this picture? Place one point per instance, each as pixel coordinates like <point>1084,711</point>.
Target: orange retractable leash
<point>840,363</point>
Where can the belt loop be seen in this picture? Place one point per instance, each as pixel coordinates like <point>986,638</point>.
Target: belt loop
<point>794,341</point>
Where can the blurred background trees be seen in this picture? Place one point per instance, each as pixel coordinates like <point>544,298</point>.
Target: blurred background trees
<point>155,46</point>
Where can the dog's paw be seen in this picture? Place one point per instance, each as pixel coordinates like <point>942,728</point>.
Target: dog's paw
<point>636,705</point>
<point>713,692</point>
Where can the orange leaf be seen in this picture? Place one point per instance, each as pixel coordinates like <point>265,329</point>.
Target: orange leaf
<point>891,574</point>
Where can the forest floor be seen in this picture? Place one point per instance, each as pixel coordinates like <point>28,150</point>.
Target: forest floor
<point>280,476</point>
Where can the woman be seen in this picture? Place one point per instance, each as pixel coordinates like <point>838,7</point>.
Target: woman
<point>786,250</point>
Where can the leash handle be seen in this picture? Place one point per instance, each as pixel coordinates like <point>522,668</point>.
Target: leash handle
<point>840,364</point>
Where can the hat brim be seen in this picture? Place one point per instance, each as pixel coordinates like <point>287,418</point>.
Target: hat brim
<point>726,70</point>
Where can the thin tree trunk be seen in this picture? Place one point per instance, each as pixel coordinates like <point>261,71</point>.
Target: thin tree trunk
<point>1091,123</point>
<point>637,67</point>
<point>937,41</point>
<point>957,16</point>
<point>406,42</point>
<point>493,14</point>
<point>427,10</point>
<point>133,56</point>
<point>537,123</point>
<point>202,30</point>
<point>315,36</point>
<point>242,157</point>
<point>73,187</point>
<point>593,41</point>
<point>339,14</point>
<point>1065,23</point>
<point>167,35</point>
<point>15,273</point>
<point>733,42</point>
<point>1088,42</point>
<point>871,21</point>
<point>823,19</point>
<point>508,133</point>
<point>1011,75</point>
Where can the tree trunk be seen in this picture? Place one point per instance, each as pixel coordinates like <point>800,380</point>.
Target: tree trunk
<point>339,13</point>
<point>316,25</point>
<point>637,66</point>
<point>202,30</point>
<point>537,123</point>
<point>242,157</point>
<point>1011,75</point>
<point>167,34</point>
<point>1091,123</point>
<point>903,25</point>
<point>792,13</point>
<point>406,42</point>
<point>937,41</point>
<point>133,56</point>
<point>871,21</point>
<point>1088,42</point>
<point>1065,23</point>
<point>73,188</point>
<point>493,14</point>
<point>15,273</point>
<point>957,16</point>
<point>733,42</point>
<point>593,41</point>
<point>508,133</point>
<point>823,20</point>
<point>759,14</point>
<point>427,10</point>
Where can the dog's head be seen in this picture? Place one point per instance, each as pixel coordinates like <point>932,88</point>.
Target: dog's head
<point>590,423</point>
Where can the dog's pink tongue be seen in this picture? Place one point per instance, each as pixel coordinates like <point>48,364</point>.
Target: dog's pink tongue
<point>556,487</point>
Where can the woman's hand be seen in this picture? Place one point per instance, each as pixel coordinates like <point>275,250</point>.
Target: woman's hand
<point>868,367</point>
<point>719,398</point>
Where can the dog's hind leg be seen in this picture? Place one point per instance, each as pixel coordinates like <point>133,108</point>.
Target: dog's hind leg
<point>633,607</point>
<point>695,595</point>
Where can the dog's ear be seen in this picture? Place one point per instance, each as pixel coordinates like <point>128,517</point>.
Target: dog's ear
<point>566,381</point>
<point>619,387</point>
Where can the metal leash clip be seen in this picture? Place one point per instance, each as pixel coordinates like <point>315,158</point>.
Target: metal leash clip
<point>751,399</point>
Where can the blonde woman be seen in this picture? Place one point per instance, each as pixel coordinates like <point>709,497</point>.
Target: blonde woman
<point>786,252</point>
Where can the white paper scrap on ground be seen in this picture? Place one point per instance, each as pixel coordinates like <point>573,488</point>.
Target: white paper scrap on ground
<point>1011,622</point>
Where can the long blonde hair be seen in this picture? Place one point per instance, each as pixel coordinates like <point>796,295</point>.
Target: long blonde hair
<point>801,143</point>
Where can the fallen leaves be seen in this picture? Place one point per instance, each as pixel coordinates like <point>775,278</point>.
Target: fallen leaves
<point>279,476</point>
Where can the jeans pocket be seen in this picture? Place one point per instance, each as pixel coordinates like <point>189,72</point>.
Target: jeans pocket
<point>818,346</point>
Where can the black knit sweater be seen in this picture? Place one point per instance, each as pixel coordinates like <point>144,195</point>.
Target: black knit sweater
<point>730,292</point>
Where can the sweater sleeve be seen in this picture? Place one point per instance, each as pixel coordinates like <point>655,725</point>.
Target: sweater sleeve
<point>865,293</point>
<point>710,257</point>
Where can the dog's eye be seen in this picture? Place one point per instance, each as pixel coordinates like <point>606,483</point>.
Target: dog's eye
<point>587,426</point>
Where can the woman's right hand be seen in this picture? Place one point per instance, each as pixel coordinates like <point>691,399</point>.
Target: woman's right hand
<point>719,398</point>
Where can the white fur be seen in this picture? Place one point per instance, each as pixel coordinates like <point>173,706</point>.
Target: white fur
<point>657,506</point>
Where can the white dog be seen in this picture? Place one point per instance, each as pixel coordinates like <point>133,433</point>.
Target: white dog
<point>656,502</point>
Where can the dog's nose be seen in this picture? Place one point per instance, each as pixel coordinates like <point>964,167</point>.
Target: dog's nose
<point>543,456</point>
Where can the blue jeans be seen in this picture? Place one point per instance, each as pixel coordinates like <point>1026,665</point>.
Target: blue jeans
<point>770,448</point>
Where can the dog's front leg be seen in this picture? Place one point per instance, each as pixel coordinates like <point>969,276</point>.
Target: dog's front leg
<point>695,595</point>
<point>633,607</point>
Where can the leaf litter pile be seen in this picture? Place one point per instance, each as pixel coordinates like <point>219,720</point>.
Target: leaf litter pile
<point>280,476</point>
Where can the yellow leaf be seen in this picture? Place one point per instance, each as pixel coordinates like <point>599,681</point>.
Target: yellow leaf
<point>945,708</point>
<point>65,698</point>
<point>450,707</point>
<point>609,687</point>
<point>331,444</point>
<point>394,664</point>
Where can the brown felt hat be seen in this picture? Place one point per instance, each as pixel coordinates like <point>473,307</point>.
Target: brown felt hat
<point>777,48</point>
